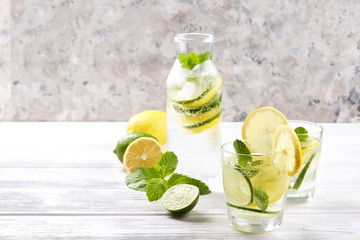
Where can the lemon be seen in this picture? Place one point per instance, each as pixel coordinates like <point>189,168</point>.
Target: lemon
<point>125,140</point>
<point>143,152</point>
<point>259,128</point>
<point>286,149</point>
<point>180,198</point>
<point>152,122</point>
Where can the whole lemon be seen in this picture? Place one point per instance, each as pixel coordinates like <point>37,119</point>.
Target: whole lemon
<point>151,121</point>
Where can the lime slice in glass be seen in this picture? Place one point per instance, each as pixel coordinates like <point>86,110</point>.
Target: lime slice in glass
<point>237,186</point>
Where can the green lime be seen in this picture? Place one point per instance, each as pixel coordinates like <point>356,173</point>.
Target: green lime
<point>180,198</point>
<point>124,142</point>
<point>237,186</point>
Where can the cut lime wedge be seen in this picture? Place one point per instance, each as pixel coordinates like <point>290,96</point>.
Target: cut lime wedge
<point>302,174</point>
<point>180,198</point>
<point>237,186</point>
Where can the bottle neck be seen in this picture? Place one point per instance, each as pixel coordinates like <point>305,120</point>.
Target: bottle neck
<point>193,42</point>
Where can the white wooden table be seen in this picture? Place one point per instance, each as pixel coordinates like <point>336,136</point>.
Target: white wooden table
<point>62,181</point>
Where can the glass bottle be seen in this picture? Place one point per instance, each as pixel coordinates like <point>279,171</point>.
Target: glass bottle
<point>194,108</point>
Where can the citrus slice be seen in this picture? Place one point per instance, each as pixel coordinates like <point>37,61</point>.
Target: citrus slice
<point>302,174</point>
<point>272,179</point>
<point>125,140</point>
<point>308,148</point>
<point>180,198</point>
<point>143,152</point>
<point>208,87</point>
<point>259,128</point>
<point>205,125</point>
<point>286,149</point>
<point>237,186</point>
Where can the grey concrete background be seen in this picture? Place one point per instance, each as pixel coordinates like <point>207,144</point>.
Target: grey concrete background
<point>105,60</point>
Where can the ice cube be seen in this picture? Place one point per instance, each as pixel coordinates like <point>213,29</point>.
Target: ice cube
<point>177,76</point>
<point>187,91</point>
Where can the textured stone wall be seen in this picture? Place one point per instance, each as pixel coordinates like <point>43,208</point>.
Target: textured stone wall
<point>104,60</point>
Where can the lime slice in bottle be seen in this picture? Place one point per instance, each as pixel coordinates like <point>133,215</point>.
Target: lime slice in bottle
<point>180,198</point>
<point>206,87</point>
<point>237,186</point>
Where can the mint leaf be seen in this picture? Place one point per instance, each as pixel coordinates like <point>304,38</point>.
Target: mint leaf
<point>192,59</point>
<point>138,179</point>
<point>301,133</point>
<point>204,57</point>
<point>155,188</point>
<point>177,178</point>
<point>241,148</point>
<point>261,198</point>
<point>167,164</point>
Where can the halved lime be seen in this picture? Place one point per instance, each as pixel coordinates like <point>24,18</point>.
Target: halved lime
<point>237,186</point>
<point>180,198</point>
<point>125,140</point>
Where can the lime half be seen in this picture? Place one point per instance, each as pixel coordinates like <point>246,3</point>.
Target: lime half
<point>124,142</point>
<point>180,198</point>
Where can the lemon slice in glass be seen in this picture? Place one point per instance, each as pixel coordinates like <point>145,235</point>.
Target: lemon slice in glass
<point>143,152</point>
<point>286,149</point>
<point>259,128</point>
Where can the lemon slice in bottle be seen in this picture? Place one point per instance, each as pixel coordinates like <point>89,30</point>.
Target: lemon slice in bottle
<point>143,152</point>
<point>259,128</point>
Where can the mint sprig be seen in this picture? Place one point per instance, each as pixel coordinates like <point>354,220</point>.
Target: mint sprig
<point>190,60</point>
<point>301,133</point>
<point>177,178</point>
<point>155,181</point>
<point>261,198</point>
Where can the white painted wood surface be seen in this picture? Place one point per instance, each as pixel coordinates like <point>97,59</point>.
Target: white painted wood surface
<point>62,181</point>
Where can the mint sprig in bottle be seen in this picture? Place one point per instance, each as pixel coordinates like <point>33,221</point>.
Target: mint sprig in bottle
<point>194,108</point>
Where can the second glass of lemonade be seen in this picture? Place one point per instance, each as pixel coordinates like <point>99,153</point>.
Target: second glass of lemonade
<point>302,185</point>
<point>194,108</point>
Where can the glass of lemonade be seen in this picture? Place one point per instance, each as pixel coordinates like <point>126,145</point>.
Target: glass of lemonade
<point>255,190</point>
<point>302,185</point>
<point>194,107</point>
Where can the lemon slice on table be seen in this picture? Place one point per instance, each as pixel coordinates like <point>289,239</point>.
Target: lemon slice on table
<point>143,152</point>
<point>287,150</point>
<point>259,128</point>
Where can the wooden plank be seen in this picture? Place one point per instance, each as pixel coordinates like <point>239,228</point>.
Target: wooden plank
<point>127,201</point>
<point>107,178</point>
<point>194,226</point>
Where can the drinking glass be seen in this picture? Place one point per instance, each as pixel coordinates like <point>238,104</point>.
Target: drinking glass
<point>255,190</point>
<point>302,185</point>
